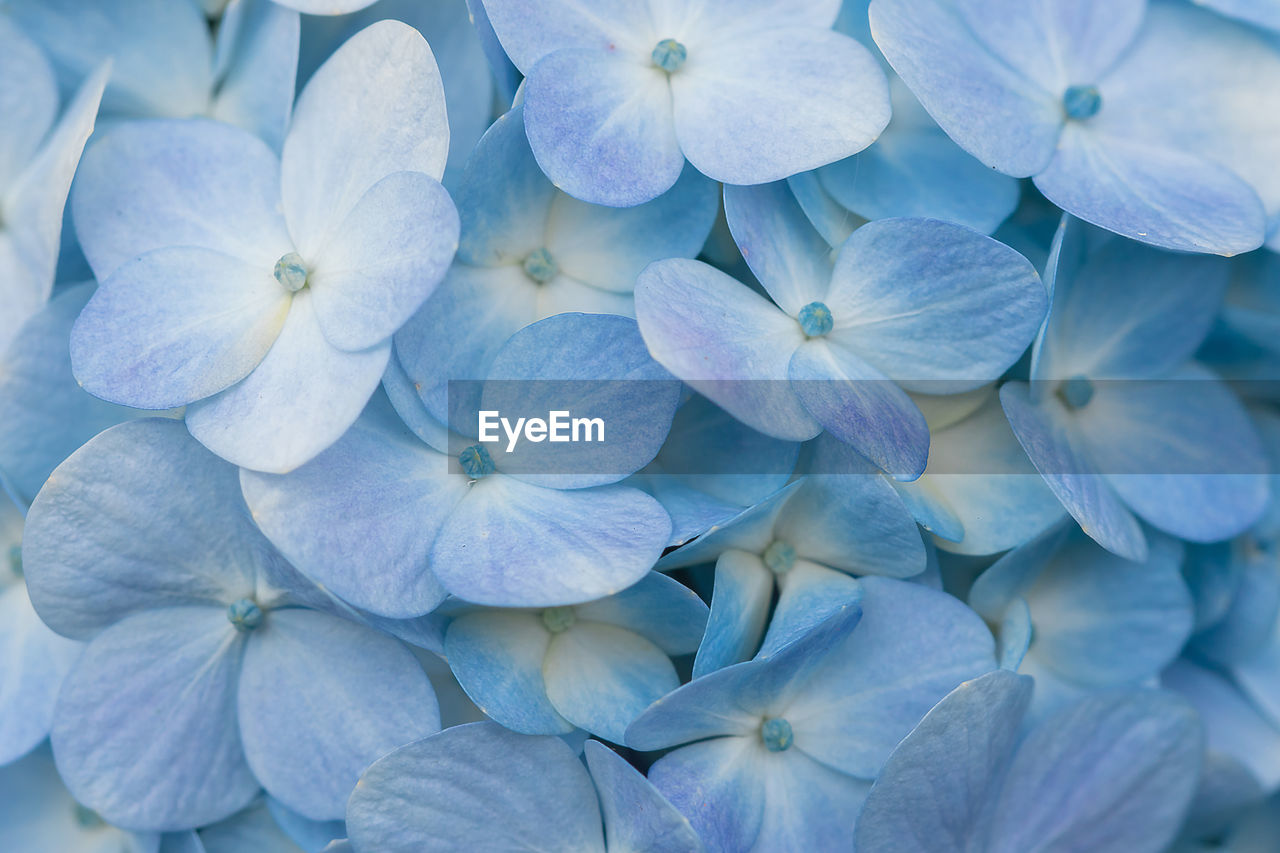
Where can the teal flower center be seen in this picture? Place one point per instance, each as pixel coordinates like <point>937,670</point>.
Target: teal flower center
<point>779,557</point>
<point>291,272</point>
<point>669,55</point>
<point>558,619</point>
<point>1076,392</point>
<point>244,614</point>
<point>476,462</point>
<point>776,734</point>
<point>815,319</point>
<point>1081,102</point>
<point>541,266</point>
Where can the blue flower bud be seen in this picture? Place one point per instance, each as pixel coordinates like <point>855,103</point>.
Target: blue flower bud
<point>669,55</point>
<point>1082,102</point>
<point>291,272</point>
<point>541,266</point>
<point>815,319</point>
<point>244,614</point>
<point>476,462</point>
<point>779,557</point>
<point>558,619</point>
<point>1076,392</point>
<point>776,734</point>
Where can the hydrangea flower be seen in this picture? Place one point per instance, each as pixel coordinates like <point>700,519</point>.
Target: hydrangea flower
<point>1117,418</point>
<point>385,520</point>
<point>299,268</point>
<point>212,670</point>
<point>618,97</point>
<point>793,546</point>
<point>528,251</point>
<point>481,787</point>
<point>779,751</point>
<point>910,304</point>
<point>1112,773</point>
<point>1154,120</point>
<point>165,63</point>
<point>39,151</point>
<point>913,168</point>
<point>595,666</point>
<point>1086,619</point>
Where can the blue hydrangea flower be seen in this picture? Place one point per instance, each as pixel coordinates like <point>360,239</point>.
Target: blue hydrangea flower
<point>481,787</point>
<point>909,304</point>
<point>618,97</point>
<point>298,269</point>
<point>212,670</point>
<point>468,86</point>
<point>37,813</point>
<point>1154,120</point>
<point>385,522</point>
<point>913,168</point>
<point>781,750</point>
<point>39,150</point>
<point>793,546</point>
<point>1091,620</point>
<point>36,659</point>
<point>165,63</point>
<point>1117,418</point>
<point>595,666</point>
<point>1113,774</point>
<point>528,251</point>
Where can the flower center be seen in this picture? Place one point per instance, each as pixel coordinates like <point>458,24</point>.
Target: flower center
<point>1076,392</point>
<point>815,319</point>
<point>776,734</point>
<point>669,55</point>
<point>15,559</point>
<point>779,557</point>
<point>558,619</point>
<point>1081,102</point>
<point>541,266</point>
<point>244,614</point>
<point>476,462</point>
<point>291,272</point>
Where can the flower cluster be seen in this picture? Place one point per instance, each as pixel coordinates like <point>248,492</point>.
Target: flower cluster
<point>659,426</point>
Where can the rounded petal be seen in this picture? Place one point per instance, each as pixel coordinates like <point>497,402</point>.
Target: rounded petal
<point>386,257</point>
<point>740,599</point>
<point>636,816</point>
<point>760,105</point>
<point>37,661</point>
<point>138,343</point>
<point>374,108</point>
<point>601,126</point>
<point>297,402</point>
<point>476,787</point>
<point>320,699</point>
<point>145,731</point>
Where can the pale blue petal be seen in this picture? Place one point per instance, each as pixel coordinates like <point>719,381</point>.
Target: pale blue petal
<point>476,787</point>
<point>1113,773</point>
<point>28,98</point>
<point>808,594</point>
<point>311,835</point>
<point>1264,13</point>
<point>257,63</point>
<point>1005,120</point>
<point>723,339</point>
<point>374,108</point>
<point>821,97</point>
<point>506,75</point>
<point>497,657</point>
<point>532,29</point>
<point>859,405</point>
<point>152,185</point>
<point>833,221</point>
<point>750,530</point>
<point>784,251</point>
<point>139,344</point>
<point>719,785</point>
<point>957,753</point>
<point>297,402</point>
<point>385,258</point>
<point>900,285</point>
<point>361,517</point>
<point>145,730</point>
<point>739,612</point>
<point>510,543</point>
<point>1248,624</point>
<point>601,677</point>
<point>320,699</point>
<point>1086,494</point>
<point>637,819</point>
<point>662,610</point>
<point>601,126</point>
<point>159,523</point>
<point>252,829</point>
<point>37,659</point>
